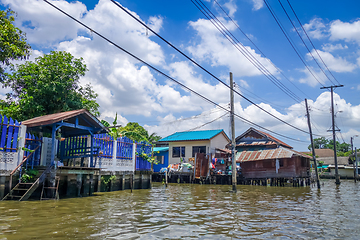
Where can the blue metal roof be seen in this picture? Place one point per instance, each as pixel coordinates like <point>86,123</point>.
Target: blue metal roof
<point>160,149</point>
<point>192,135</point>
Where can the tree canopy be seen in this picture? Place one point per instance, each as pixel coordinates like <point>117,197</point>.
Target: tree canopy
<point>133,131</point>
<point>323,143</point>
<point>13,45</point>
<point>48,85</point>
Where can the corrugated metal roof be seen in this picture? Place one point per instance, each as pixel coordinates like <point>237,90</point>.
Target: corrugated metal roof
<point>256,144</point>
<point>267,154</point>
<point>193,135</point>
<point>275,139</point>
<point>85,118</point>
<point>160,149</point>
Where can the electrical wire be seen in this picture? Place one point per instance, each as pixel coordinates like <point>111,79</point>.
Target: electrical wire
<point>312,42</point>
<point>280,71</point>
<point>243,50</point>
<point>194,62</point>
<point>304,42</point>
<point>170,78</point>
<point>292,45</point>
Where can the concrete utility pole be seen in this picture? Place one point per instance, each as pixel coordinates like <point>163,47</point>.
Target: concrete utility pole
<point>337,177</point>
<point>234,173</point>
<point>356,163</point>
<point>312,145</point>
<point>352,152</point>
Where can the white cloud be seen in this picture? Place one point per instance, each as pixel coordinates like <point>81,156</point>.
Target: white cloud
<point>314,78</point>
<point>316,29</point>
<point>328,47</point>
<point>258,4</point>
<point>231,6</point>
<point>244,84</point>
<point>43,24</point>
<point>349,32</point>
<point>336,64</point>
<point>216,49</point>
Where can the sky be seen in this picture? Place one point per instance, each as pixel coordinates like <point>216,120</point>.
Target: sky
<point>140,94</point>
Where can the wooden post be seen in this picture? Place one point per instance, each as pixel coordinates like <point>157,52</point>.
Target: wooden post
<point>166,178</point>
<point>312,145</point>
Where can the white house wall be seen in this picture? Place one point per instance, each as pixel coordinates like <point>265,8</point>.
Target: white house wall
<point>188,149</point>
<point>219,141</point>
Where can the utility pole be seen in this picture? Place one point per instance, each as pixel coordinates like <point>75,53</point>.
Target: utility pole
<point>356,164</point>
<point>312,145</point>
<point>234,172</point>
<point>337,177</point>
<point>352,152</point>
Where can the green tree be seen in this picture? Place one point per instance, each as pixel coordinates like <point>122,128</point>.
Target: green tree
<point>13,45</point>
<point>48,85</point>
<point>319,143</point>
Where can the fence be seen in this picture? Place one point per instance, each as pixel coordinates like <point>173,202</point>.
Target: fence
<point>142,164</point>
<point>31,143</point>
<point>9,134</point>
<point>109,155</point>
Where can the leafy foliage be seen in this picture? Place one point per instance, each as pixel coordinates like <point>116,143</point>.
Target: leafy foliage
<point>28,175</point>
<point>48,85</point>
<point>342,149</point>
<point>13,45</point>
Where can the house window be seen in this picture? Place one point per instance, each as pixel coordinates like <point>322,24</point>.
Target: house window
<point>198,149</point>
<point>178,152</point>
<point>160,159</point>
<point>281,163</point>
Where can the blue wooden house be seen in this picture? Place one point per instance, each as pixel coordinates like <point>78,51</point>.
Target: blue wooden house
<point>162,156</point>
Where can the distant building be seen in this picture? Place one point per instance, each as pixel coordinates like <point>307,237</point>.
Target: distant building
<point>184,145</point>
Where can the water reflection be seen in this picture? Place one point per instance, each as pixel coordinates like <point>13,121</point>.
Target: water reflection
<point>191,211</point>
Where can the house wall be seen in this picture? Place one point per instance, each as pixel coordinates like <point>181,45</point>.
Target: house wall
<point>219,141</point>
<point>188,149</point>
<point>157,167</point>
<point>290,168</point>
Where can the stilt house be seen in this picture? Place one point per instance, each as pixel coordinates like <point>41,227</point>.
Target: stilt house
<point>262,156</point>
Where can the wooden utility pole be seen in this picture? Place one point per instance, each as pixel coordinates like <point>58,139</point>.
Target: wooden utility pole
<point>337,177</point>
<point>234,172</point>
<point>312,145</point>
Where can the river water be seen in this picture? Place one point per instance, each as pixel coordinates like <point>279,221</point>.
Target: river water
<point>184,211</point>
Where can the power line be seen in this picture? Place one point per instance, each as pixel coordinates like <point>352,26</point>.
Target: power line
<point>280,71</point>
<point>208,122</point>
<point>167,76</point>
<point>312,42</point>
<point>304,42</point>
<point>292,45</point>
<point>242,49</point>
<point>194,62</point>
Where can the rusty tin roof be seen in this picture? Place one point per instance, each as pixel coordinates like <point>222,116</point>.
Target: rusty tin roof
<point>281,152</point>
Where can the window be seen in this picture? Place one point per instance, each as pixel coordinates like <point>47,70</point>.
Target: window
<point>178,152</point>
<point>198,149</point>
<point>160,159</point>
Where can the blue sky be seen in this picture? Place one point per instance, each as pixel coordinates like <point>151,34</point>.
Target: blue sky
<point>140,94</point>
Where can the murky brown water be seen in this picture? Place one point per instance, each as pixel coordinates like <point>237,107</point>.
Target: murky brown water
<point>191,211</point>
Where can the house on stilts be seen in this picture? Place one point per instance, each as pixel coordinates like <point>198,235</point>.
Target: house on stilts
<point>77,159</point>
<point>265,159</point>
